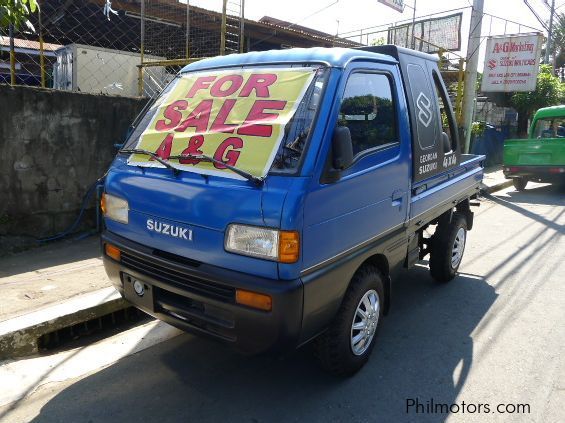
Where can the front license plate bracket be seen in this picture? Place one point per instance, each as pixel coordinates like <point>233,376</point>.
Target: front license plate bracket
<point>138,292</point>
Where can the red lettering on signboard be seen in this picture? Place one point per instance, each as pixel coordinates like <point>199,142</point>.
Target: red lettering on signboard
<point>199,117</point>
<point>164,150</point>
<point>194,144</point>
<point>217,89</point>
<point>259,83</point>
<point>258,114</point>
<point>219,124</point>
<point>173,114</point>
<point>201,83</point>
<point>230,157</point>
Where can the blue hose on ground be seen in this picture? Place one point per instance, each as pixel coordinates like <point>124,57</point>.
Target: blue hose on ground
<point>85,201</point>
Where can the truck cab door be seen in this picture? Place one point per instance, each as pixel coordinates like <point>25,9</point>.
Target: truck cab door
<point>370,198</point>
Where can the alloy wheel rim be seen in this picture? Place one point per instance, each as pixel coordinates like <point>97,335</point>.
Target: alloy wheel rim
<point>365,322</point>
<point>458,247</point>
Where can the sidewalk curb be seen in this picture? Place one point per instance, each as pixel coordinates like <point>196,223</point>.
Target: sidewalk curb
<point>19,335</point>
<point>496,187</point>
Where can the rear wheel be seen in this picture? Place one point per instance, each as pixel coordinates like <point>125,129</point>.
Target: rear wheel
<point>448,246</point>
<point>520,183</point>
<point>347,344</point>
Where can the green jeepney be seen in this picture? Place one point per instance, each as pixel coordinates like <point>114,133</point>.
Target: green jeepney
<point>541,157</point>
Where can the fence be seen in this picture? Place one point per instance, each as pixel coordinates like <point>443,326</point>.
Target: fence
<point>174,34</point>
<point>438,33</point>
<point>122,47</point>
<point>498,116</point>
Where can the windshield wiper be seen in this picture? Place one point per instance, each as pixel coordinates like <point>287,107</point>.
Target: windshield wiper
<point>256,180</point>
<point>202,157</point>
<point>152,155</point>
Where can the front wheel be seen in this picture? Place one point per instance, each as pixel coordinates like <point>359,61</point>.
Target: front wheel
<point>448,245</point>
<point>520,183</point>
<point>347,344</point>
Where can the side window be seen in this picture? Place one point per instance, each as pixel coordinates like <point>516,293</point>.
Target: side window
<point>446,123</point>
<point>550,128</point>
<point>368,110</point>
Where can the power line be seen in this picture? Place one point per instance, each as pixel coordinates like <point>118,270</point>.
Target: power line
<point>540,20</point>
<point>513,22</point>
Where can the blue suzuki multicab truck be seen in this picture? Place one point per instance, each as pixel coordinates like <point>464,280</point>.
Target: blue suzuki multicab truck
<point>267,199</point>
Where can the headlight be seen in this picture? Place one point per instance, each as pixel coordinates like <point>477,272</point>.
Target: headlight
<point>269,244</point>
<point>114,208</point>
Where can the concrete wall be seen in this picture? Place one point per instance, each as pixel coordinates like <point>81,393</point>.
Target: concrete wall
<point>53,146</point>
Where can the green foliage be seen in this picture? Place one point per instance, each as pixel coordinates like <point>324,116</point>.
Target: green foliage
<point>16,13</point>
<point>479,82</point>
<point>368,118</point>
<point>378,41</point>
<point>558,39</point>
<point>549,92</point>
<point>478,128</point>
<point>359,105</point>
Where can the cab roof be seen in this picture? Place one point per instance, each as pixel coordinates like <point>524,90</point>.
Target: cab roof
<point>334,57</point>
<point>553,111</point>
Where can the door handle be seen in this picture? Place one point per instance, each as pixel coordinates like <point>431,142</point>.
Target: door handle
<point>397,198</point>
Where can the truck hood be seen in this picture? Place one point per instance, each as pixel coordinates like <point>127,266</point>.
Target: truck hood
<point>190,202</point>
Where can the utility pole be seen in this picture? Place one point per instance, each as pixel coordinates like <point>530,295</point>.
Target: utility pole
<point>223,32</point>
<point>12,57</point>
<point>549,32</point>
<point>413,42</point>
<point>470,82</point>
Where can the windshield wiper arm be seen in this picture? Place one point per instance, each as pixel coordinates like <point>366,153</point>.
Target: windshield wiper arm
<point>256,180</point>
<point>202,157</point>
<point>152,155</point>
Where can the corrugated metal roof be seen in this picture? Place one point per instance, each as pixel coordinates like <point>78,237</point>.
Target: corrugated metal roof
<point>26,44</point>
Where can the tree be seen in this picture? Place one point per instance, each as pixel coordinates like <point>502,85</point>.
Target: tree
<point>16,12</point>
<point>13,15</point>
<point>558,40</point>
<point>549,92</point>
<point>378,41</point>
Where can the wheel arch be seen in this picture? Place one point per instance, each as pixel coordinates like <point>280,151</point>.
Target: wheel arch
<point>380,261</point>
<point>464,208</point>
<point>324,288</point>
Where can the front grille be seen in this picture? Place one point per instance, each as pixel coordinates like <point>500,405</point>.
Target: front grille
<point>179,279</point>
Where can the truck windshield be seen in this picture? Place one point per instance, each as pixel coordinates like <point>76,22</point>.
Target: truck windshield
<point>550,128</point>
<point>255,118</point>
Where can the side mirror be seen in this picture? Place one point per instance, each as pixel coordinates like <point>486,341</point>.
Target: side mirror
<point>444,138</point>
<point>341,156</point>
<point>342,148</point>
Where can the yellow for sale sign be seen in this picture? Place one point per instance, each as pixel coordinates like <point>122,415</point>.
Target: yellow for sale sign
<point>235,116</point>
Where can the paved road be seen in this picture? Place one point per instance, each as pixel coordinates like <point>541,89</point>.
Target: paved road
<point>494,335</point>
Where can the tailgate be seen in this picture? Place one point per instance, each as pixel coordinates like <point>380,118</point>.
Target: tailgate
<point>534,152</point>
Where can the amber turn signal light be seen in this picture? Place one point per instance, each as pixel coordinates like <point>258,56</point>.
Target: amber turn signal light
<point>289,246</point>
<point>112,252</point>
<point>103,203</point>
<point>253,299</point>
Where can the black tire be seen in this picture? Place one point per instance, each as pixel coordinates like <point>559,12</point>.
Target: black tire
<point>442,268</point>
<point>520,183</point>
<point>334,348</point>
